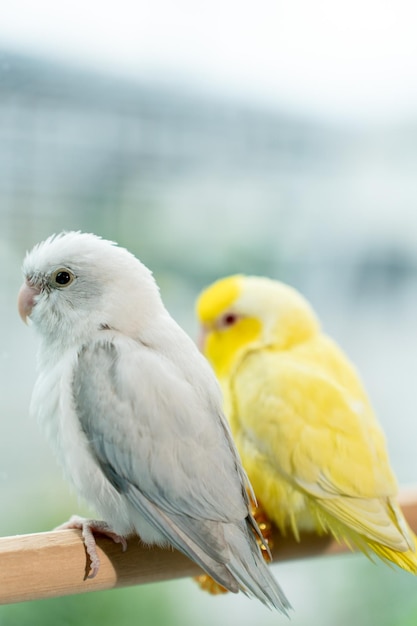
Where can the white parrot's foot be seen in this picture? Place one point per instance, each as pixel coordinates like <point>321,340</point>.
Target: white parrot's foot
<point>88,527</point>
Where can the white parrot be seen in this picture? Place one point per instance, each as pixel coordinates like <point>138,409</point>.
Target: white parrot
<point>134,414</point>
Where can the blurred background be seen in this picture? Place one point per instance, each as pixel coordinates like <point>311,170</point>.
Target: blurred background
<point>275,137</point>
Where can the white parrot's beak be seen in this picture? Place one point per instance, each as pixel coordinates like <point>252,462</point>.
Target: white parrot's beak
<point>26,300</point>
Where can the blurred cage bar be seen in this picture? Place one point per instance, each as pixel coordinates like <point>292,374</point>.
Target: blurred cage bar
<point>95,149</point>
<point>100,152</point>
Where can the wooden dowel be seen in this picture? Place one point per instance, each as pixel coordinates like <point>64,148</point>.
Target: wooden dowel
<point>51,564</point>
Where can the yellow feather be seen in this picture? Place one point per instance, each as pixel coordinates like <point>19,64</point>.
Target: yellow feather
<point>302,422</point>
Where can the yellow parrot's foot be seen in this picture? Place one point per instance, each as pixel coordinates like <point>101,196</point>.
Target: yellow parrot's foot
<point>265,526</point>
<point>206,582</point>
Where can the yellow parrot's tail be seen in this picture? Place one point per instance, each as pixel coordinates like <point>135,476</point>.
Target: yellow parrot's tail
<point>406,560</point>
<point>404,554</point>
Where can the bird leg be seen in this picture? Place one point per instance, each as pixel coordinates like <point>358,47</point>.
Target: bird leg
<point>206,582</point>
<point>265,526</point>
<point>88,527</point>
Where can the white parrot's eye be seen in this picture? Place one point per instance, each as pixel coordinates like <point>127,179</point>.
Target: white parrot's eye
<point>62,277</point>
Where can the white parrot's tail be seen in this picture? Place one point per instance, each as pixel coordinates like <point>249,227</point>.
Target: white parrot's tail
<point>249,569</point>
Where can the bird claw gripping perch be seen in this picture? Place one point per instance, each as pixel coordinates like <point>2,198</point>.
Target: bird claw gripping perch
<point>88,527</point>
<point>266,528</point>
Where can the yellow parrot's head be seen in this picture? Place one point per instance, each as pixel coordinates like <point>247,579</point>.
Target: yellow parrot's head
<point>240,312</point>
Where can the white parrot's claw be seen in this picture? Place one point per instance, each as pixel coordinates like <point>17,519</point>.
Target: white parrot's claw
<point>88,527</point>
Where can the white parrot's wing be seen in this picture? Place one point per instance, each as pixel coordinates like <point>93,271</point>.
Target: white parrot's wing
<point>160,447</point>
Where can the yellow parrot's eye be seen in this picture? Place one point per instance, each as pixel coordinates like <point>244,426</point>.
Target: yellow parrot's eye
<point>229,319</point>
<point>62,278</point>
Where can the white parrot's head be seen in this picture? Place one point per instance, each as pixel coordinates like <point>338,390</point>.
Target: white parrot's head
<point>240,312</point>
<point>76,283</point>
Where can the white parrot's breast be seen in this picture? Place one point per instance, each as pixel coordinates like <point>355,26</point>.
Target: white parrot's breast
<point>53,405</point>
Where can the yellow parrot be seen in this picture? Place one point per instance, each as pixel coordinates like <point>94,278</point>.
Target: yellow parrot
<point>309,440</point>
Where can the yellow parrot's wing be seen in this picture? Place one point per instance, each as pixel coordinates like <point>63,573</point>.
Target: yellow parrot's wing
<point>320,437</point>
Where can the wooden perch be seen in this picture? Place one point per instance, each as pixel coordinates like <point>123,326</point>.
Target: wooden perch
<point>51,564</point>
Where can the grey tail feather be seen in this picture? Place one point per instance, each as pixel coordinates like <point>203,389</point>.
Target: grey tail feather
<point>242,567</point>
<point>246,570</point>
<point>249,568</point>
